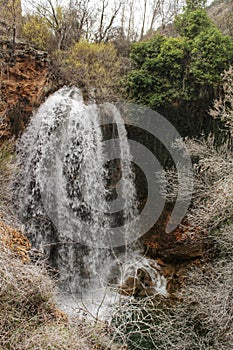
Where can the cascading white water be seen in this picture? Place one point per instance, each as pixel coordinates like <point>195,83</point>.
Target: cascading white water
<point>63,188</point>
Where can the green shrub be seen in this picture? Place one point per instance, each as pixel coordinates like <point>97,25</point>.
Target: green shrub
<point>94,67</point>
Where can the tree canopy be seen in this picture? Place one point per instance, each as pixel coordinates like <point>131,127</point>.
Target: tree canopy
<point>181,75</point>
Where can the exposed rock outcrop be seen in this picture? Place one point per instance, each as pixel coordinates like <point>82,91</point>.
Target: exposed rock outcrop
<point>176,250</point>
<point>24,83</point>
<point>221,13</point>
<point>4,29</point>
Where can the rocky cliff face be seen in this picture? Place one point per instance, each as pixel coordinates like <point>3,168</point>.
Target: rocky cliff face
<point>24,83</point>
<point>221,13</point>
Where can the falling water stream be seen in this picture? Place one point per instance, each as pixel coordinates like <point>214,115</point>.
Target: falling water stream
<point>71,192</point>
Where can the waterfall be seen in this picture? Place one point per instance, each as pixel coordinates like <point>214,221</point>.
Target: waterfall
<point>68,198</point>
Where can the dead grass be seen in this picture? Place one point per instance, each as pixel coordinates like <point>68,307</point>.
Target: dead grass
<point>15,241</point>
<point>29,320</point>
<point>25,298</point>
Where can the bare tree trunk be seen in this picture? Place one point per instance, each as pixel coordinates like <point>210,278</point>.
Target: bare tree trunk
<point>131,19</point>
<point>162,13</point>
<point>155,12</point>
<point>102,33</point>
<point>144,19</point>
<point>110,24</point>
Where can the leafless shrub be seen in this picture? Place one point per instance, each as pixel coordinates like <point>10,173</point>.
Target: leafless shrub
<point>137,322</point>
<point>212,202</point>
<point>223,107</point>
<point>25,294</point>
<point>212,193</point>
<point>29,320</point>
<point>208,296</point>
<point>75,335</point>
<point>201,318</point>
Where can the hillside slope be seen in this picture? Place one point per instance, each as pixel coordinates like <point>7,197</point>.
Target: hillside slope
<point>221,13</point>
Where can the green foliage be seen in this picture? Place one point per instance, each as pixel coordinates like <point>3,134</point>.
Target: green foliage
<point>183,73</point>
<point>195,4</point>
<point>10,10</point>
<point>192,23</point>
<point>157,74</point>
<point>90,66</point>
<point>147,49</point>
<point>36,30</point>
<point>211,54</point>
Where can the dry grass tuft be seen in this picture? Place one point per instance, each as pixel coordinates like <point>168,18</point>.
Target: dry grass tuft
<point>25,298</point>
<point>15,241</point>
<point>29,320</point>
